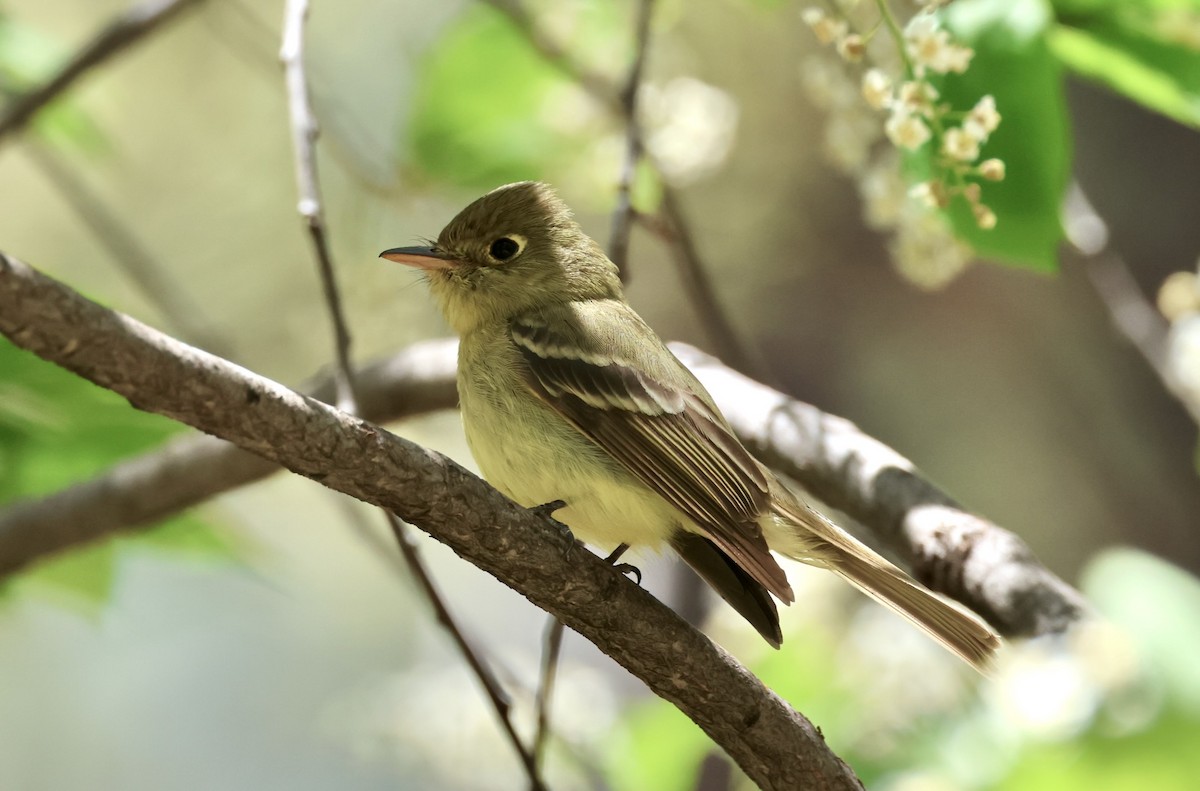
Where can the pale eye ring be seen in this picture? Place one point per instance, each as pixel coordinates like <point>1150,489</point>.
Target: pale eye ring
<point>506,247</point>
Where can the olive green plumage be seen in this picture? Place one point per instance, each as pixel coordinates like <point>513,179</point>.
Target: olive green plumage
<point>567,394</point>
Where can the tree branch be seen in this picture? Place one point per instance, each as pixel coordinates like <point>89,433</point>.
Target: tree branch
<point>618,246</point>
<point>145,489</point>
<point>1132,314</point>
<point>955,552</point>
<point>121,32</point>
<point>129,253</point>
<point>773,744</point>
<point>596,84</point>
<point>952,551</point>
<point>304,138</point>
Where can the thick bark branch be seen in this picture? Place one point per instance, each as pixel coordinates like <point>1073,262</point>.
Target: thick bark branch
<point>191,469</point>
<point>777,747</point>
<point>951,550</point>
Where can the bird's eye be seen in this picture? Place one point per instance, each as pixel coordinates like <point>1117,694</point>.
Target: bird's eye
<point>506,247</point>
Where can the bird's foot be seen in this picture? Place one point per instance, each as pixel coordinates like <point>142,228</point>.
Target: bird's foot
<point>623,568</point>
<point>546,511</point>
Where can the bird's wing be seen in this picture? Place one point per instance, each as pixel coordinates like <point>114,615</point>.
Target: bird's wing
<point>648,413</point>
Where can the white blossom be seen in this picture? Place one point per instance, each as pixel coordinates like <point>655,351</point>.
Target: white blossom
<point>877,88</point>
<point>906,130</point>
<point>959,144</point>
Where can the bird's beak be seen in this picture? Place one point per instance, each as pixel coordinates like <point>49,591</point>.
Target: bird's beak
<point>425,258</point>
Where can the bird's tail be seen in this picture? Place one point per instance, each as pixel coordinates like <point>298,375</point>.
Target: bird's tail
<point>820,542</point>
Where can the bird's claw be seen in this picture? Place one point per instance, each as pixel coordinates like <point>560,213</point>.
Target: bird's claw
<point>546,511</point>
<point>628,568</point>
<point>623,568</point>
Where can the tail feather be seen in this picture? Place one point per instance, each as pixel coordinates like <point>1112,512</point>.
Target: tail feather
<point>817,541</point>
<point>736,586</point>
<point>964,634</point>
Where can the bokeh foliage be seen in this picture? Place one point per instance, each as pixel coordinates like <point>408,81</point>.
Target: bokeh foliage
<point>485,112</point>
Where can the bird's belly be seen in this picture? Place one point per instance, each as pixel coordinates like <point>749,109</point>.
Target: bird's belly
<point>538,458</point>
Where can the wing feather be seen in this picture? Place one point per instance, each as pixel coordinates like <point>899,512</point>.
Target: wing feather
<point>666,436</point>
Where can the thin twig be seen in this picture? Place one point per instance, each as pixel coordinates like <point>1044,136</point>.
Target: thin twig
<point>1136,318</point>
<point>177,308</point>
<point>596,84</point>
<point>304,134</point>
<point>684,253</point>
<point>304,137</point>
<point>126,29</point>
<point>550,653</point>
<point>701,294</point>
<point>1132,313</point>
<point>618,246</point>
<point>491,686</point>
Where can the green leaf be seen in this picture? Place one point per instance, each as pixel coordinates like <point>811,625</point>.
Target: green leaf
<point>656,746</point>
<point>27,58</point>
<point>1014,64</point>
<point>490,109</point>
<point>1135,62</point>
<point>57,429</point>
<point>1159,605</point>
<point>81,579</point>
<point>1162,757</point>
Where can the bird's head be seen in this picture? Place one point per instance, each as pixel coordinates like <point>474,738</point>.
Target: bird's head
<point>513,250</point>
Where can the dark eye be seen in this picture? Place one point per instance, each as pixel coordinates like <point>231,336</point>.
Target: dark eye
<point>504,248</point>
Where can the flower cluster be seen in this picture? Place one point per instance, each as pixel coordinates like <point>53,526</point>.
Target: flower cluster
<point>896,81</point>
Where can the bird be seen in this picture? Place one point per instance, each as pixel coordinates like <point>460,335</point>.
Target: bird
<point>567,395</point>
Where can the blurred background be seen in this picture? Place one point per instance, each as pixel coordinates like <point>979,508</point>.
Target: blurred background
<point>260,642</point>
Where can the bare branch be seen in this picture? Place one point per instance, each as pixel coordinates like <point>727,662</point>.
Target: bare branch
<point>774,745</point>
<point>618,246</point>
<point>123,31</point>
<point>596,84</point>
<point>304,136</point>
<point>551,650</point>
<point>827,454</point>
<point>140,491</point>
<point>1132,313</point>
<point>144,271</point>
<point>491,686</point>
<point>952,551</point>
<point>701,294</point>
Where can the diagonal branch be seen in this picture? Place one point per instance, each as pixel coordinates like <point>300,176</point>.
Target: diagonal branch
<point>951,550</point>
<point>124,30</point>
<point>136,493</point>
<point>595,83</point>
<point>129,253</point>
<point>826,454</point>
<point>773,744</point>
<point>1133,315</point>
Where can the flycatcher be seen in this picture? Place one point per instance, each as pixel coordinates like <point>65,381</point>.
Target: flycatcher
<point>566,394</point>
